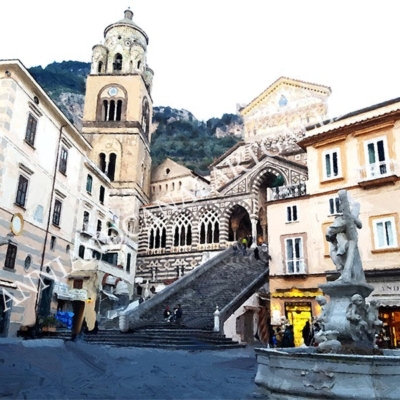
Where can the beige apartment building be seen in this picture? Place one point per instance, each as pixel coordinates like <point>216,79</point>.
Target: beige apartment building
<point>359,152</point>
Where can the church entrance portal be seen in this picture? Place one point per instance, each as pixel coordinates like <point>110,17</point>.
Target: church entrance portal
<point>239,225</point>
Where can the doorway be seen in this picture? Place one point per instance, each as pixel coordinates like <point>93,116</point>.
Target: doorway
<point>298,313</point>
<point>45,297</point>
<point>239,224</point>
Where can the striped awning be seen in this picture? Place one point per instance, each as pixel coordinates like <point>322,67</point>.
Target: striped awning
<point>386,301</point>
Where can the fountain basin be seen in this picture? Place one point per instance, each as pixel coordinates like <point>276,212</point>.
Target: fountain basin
<point>302,373</point>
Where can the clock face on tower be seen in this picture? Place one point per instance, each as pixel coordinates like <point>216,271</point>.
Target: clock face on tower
<point>112,91</point>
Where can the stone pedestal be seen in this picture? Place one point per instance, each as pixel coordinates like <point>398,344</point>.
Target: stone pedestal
<point>334,313</point>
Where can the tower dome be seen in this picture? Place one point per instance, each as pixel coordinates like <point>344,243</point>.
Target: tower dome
<point>124,51</point>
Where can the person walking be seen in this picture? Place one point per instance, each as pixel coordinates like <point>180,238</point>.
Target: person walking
<point>244,246</point>
<point>167,314</point>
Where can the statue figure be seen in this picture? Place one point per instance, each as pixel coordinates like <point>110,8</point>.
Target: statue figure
<point>322,318</point>
<point>343,237</point>
<point>373,317</point>
<point>357,315</point>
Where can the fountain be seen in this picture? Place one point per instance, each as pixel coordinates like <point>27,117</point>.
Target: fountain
<point>345,365</point>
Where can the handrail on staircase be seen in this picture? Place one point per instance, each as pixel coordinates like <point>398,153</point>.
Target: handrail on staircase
<point>134,315</point>
<point>231,307</point>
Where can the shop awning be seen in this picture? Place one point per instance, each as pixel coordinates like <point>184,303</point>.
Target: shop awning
<point>386,301</point>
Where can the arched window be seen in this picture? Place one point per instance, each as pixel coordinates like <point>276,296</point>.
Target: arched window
<point>102,162</point>
<point>158,234</point>
<point>81,252</point>
<point>146,118</point>
<point>111,166</point>
<point>139,64</point>
<point>117,62</point>
<point>209,227</point>
<point>173,185</point>
<point>183,229</point>
<point>128,262</point>
<point>112,110</point>
<point>100,67</point>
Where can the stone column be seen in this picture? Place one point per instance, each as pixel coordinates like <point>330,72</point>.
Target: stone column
<point>254,220</point>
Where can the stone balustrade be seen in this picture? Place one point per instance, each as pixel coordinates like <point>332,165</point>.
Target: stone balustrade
<point>285,192</point>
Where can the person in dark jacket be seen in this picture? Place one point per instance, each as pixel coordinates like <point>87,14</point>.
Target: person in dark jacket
<point>178,315</point>
<point>307,333</point>
<point>288,337</point>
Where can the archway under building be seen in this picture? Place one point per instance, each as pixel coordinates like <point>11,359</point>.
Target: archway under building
<point>239,224</point>
<point>269,180</point>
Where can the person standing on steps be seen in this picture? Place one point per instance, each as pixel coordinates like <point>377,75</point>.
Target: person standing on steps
<point>178,315</point>
<point>257,253</point>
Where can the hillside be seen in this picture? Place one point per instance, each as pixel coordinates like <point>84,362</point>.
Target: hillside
<point>177,133</point>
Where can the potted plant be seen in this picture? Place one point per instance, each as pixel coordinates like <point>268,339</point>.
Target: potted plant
<point>49,324</point>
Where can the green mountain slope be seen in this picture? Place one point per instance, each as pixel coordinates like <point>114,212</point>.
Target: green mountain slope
<point>178,134</point>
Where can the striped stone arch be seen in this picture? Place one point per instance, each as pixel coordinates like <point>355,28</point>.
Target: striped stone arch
<point>224,234</point>
<point>258,178</point>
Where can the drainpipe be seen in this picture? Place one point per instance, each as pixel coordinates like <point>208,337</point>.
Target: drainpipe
<point>48,219</point>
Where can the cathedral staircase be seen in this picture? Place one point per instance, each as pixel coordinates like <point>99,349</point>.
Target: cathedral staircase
<point>226,281</point>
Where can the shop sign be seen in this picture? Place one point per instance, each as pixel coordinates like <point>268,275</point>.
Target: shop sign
<point>385,288</point>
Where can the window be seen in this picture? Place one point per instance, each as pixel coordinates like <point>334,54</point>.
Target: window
<point>102,162</point>
<point>111,167</point>
<point>294,255</point>
<point>209,227</point>
<point>81,251</point>
<point>57,212</point>
<point>99,225</point>
<point>63,160</point>
<point>52,242</point>
<point>89,184</point>
<point>117,62</point>
<point>331,164</point>
<point>11,256</point>
<point>128,262</point>
<point>21,191</point>
<point>101,194</point>
<point>112,110</point>
<point>31,130</point>
<point>376,157</point>
<point>78,283</point>
<point>385,233</point>
<point>68,248</point>
<point>86,218</point>
<point>334,206</point>
<point>291,213</point>
<point>111,258</point>
<point>27,263</point>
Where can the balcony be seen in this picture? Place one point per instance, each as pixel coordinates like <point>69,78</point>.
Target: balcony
<point>378,174</point>
<point>286,192</point>
<point>87,230</point>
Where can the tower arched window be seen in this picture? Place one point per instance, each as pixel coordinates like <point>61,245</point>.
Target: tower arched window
<point>117,62</point>
<point>139,64</point>
<point>102,162</point>
<point>146,119</point>
<point>100,67</point>
<point>111,166</point>
<point>112,110</point>
<point>209,227</point>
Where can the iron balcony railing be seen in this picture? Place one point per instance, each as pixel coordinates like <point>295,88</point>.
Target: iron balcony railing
<point>285,192</point>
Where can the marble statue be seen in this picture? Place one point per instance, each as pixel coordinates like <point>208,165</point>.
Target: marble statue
<point>343,238</point>
<point>357,315</point>
<point>322,318</point>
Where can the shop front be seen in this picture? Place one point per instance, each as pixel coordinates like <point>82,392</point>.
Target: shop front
<point>387,294</point>
<point>294,307</point>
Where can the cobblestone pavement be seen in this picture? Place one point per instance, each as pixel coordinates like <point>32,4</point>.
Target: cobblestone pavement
<point>50,369</point>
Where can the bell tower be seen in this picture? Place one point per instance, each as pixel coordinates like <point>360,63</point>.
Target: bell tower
<point>117,113</point>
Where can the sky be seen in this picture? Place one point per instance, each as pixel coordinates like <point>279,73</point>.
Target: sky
<point>210,55</point>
